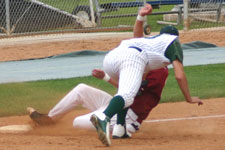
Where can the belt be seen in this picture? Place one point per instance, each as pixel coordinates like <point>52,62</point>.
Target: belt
<point>137,48</point>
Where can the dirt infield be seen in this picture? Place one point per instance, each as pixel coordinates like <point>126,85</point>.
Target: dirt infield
<point>27,51</point>
<point>192,131</point>
<point>195,134</point>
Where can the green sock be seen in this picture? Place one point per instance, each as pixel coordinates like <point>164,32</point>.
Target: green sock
<point>121,116</point>
<point>116,105</point>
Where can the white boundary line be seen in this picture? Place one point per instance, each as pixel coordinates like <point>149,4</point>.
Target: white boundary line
<point>187,118</point>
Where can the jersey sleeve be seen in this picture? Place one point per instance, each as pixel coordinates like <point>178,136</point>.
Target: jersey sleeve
<point>174,51</point>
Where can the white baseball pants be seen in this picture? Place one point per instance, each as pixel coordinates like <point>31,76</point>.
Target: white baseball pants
<point>91,98</point>
<point>126,65</point>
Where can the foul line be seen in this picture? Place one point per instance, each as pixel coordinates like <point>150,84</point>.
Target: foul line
<point>187,118</point>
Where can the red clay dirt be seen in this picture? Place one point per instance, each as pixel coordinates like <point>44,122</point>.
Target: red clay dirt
<point>194,134</point>
<point>44,49</point>
<point>185,134</point>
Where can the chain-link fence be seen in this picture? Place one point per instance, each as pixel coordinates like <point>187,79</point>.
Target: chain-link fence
<point>200,14</point>
<point>207,13</point>
<point>33,16</point>
<point>45,16</point>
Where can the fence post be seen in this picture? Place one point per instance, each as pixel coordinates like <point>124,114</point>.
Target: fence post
<point>7,13</point>
<point>179,16</point>
<point>186,18</point>
<point>92,12</point>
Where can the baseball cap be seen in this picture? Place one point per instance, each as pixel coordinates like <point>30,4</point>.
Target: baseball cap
<point>169,30</point>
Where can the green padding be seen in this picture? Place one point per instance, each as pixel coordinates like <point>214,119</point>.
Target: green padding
<point>188,46</point>
<point>192,45</point>
<point>80,53</point>
<point>197,44</point>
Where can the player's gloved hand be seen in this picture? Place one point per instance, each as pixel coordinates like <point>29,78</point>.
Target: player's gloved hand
<point>98,73</point>
<point>145,10</point>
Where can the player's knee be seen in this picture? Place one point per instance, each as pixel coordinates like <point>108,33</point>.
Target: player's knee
<point>80,88</point>
<point>129,102</point>
<point>76,122</point>
<point>128,99</point>
<point>82,122</point>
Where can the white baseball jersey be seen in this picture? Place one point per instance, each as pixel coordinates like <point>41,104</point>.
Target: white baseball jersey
<point>128,62</point>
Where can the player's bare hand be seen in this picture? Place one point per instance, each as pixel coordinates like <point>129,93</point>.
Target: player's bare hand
<point>195,100</point>
<point>98,73</point>
<point>146,10</point>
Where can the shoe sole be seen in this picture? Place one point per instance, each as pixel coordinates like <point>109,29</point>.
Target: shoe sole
<point>122,137</point>
<point>102,136</point>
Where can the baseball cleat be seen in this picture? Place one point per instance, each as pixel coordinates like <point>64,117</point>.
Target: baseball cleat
<point>120,131</point>
<point>102,127</point>
<point>40,119</point>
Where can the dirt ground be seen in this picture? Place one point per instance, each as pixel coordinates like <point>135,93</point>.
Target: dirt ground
<point>194,134</point>
<point>188,133</point>
<point>39,50</point>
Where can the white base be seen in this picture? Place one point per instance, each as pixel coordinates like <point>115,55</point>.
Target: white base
<point>15,129</point>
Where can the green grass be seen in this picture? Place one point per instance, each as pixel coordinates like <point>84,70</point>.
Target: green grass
<point>15,97</point>
<point>205,81</point>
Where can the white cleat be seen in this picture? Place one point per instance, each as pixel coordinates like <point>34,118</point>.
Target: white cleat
<point>120,131</point>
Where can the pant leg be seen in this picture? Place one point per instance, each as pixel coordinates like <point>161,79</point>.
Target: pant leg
<point>89,97</point>
<point>126,66</point>
<point>130,79</point>
<point>84,122</point>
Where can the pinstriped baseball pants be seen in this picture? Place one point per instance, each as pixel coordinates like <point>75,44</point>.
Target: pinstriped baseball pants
<point>127,67</point>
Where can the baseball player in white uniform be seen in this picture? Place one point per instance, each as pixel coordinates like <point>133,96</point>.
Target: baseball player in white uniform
<point>127,65</point>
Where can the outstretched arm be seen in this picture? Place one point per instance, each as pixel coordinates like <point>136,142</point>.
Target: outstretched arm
<point>183,84</point>
<point>100,74</point>
<point>138,26</point>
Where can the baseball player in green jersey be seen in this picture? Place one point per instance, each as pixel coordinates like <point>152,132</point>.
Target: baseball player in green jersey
<point>127,65</point>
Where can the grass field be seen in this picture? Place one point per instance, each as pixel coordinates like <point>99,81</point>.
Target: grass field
<point>206,81</point>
